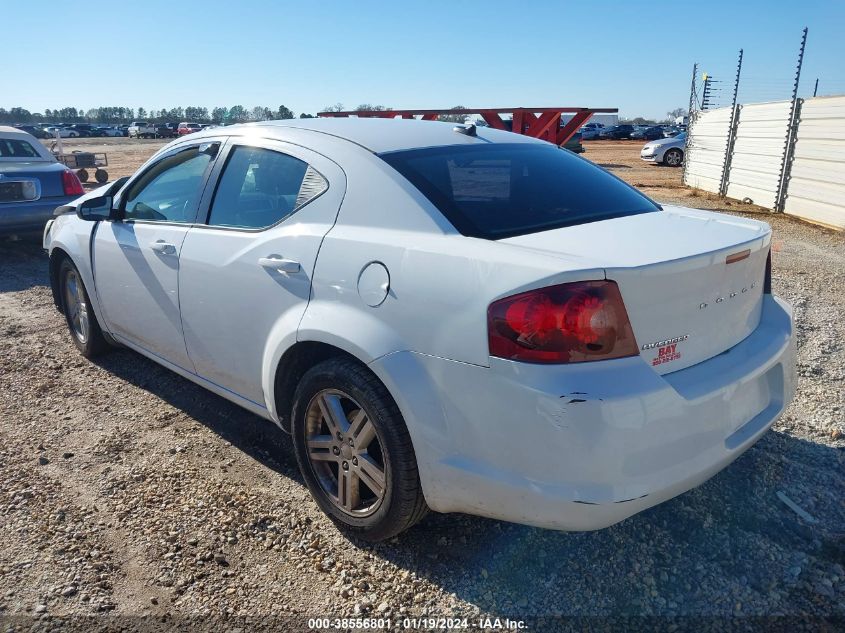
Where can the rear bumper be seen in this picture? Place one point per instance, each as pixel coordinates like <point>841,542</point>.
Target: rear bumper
<point>583,447</point>
<point>29,216</point>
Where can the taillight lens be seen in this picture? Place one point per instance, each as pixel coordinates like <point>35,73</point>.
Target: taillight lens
<point>71,184</point>
<point>569,323</point>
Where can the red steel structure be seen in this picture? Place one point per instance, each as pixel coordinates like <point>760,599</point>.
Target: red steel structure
<point>543,123</point>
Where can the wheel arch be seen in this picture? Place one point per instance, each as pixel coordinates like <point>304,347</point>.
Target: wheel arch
<point>294,362</point>
<point>57,256</point>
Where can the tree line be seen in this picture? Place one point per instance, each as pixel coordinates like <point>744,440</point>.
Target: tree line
<point>220,115</point>
<point>120,114</point>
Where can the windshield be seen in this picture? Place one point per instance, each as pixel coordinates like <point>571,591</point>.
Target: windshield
<point>498,190</point>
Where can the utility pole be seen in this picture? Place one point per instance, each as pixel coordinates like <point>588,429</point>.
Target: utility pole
<point>816,87</point>
<point>692,100</point>
<point>691,111</point>
<point>780,198</point>
<point>705,92</point>
<point>729,146</point>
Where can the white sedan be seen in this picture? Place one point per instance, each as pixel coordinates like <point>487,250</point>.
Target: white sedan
<point>443,317</point>
<point>63,132</point>
<point>665,151</point>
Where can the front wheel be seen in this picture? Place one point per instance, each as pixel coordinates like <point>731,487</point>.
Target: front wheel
<point>84,329</point>
<point>354,451</point>
<point>673,157</point>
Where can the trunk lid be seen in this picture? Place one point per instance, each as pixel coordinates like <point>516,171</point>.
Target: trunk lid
<point>47,175</point>
<point>686,303</point>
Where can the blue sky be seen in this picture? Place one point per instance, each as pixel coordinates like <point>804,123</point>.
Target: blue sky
<point>636,56</point>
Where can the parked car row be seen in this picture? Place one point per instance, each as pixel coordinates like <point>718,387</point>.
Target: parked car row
<point>137,129</point>
<point>72,130</point>
<point>592,131</point>
<point>143,129</point>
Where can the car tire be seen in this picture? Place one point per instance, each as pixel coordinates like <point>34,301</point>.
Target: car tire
<point>354,451</point>
<point>81,321</point>
<point>673,157</point>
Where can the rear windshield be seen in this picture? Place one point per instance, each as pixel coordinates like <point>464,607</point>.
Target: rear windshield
<point>15,148</point>
<point>501,190</point>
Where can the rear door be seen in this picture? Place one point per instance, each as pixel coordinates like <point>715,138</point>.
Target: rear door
<point>245,275</point>
<point>136,259</point>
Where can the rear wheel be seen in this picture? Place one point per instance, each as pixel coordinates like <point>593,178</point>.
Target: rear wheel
<point>84,329</point>
<point>673,157</point>
<point>354,451</point>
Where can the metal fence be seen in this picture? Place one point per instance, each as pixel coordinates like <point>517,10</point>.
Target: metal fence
<point>759,156</point>
<point>816,187</point>
<point>706,149</point>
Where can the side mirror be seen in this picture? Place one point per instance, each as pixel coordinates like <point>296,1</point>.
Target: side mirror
<point>95,209</point>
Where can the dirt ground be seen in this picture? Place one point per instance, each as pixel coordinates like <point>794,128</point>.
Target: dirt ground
<point>131,495</point>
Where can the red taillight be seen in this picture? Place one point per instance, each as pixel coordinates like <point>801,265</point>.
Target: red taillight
<point>569,323</point>
<point>71,184</point>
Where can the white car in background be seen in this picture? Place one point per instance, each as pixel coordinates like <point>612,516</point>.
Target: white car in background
<point>63,132</point>
<point>444,317</point>
<point>666,151</point>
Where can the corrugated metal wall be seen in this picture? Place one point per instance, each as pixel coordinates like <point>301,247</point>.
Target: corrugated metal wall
<point>708,138</point>
<point>816,187</point>
<point>758,152</point>
<point>815,179</point>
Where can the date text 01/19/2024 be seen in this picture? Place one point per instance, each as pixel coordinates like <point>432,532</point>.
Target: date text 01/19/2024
<point>416,624</point>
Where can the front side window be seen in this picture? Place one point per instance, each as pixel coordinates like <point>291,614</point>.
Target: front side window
<point>171,189</point>
<point>495,191</point>
<point>261,187</point>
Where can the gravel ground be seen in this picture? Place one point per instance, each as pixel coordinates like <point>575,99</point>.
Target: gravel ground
<point>129,491</point>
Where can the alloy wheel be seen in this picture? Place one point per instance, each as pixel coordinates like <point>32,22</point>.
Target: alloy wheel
<point>673,158</point>
<point>77,309</point>
<point>345,452</point>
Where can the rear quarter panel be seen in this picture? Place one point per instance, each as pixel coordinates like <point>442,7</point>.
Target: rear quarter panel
<point>440,282</point>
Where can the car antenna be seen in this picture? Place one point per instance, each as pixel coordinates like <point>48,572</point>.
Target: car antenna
<point>467,128</point>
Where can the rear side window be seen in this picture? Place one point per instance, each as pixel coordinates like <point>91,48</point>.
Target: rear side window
<point>16,148</point>
<point>501,190</point>
<point>261,187</point>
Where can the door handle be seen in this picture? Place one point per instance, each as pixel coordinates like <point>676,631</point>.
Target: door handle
<point>274,262</point>
<point>165,248</point>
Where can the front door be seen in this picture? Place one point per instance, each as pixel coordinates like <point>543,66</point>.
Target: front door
<point>136,258</point>
<point>245,277</point>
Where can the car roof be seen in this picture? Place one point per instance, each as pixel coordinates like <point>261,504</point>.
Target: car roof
<point>386,135</point>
